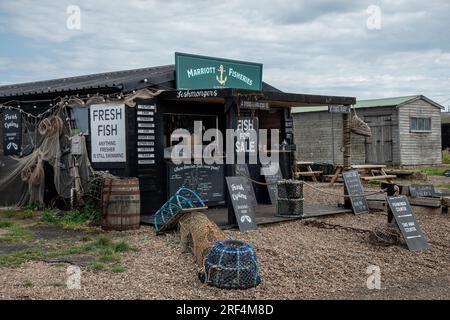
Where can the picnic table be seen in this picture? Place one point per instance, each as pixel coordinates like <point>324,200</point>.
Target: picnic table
<point>305,165</point>
<point>373,172</point>
<point>369,172</point>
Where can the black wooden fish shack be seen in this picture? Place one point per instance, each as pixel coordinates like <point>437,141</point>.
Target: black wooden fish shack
<point>128,118</point>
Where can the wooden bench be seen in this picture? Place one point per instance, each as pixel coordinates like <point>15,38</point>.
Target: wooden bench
<point>308,173</point>
<point>381,177</point>
<point>374,172</point>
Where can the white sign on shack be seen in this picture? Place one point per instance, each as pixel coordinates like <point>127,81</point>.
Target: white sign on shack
<point>108,136</point>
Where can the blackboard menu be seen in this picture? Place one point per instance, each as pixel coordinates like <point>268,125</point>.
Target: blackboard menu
<point>146,134</point>
<point>422,190</point>
<point>240,196</point>
<point>12,132</point>
<point>407,223</point>
<point>207,180</point>
<point>243,171</point>
<point>271,181</point>
<point>355,191</point>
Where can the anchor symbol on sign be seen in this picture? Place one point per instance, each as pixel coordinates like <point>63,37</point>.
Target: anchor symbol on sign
<point>221,80</point>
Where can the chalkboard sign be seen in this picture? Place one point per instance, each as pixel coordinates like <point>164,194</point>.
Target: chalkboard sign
<point>12,132</point>
<point>243,171</point>
<point>356,192</point>
<point>271,181</point>
<point>422,190</point>
<point>240,196</point>
<point>205,179</point>
<point>407,223</point>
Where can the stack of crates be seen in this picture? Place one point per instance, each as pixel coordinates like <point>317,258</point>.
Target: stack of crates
<point>290,198</point>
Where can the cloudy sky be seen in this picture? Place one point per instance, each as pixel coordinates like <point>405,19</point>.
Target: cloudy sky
<point>367,49</point>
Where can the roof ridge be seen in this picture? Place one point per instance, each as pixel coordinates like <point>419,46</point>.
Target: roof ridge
<point>389,98</point>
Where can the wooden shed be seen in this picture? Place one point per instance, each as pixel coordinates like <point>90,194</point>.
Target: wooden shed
<point>405,131</point>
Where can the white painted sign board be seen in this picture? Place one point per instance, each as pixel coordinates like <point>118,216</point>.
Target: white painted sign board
<point>108,135</point>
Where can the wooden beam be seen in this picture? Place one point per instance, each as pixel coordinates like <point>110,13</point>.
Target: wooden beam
<point>384,177</point>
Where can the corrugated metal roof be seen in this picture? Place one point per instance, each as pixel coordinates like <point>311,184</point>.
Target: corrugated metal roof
<point>126,80</point>
<point>370,103</point>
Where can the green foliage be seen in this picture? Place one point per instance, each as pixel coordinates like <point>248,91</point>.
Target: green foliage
<point>34,207</point>
<point>118,269</point>
<point>97,265</point>
<point>446,156</point>
<point>5,224</point>
<point>71,218</point>
<point>103,241</point>
<point>19,214</point>
<point>121,247</point>
<point>8,213</point>
<point>433,171</point>
<point>17,233</point>
<point>375,182</point>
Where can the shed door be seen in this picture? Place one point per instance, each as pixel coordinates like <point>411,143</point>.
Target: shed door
<point>379,146</point>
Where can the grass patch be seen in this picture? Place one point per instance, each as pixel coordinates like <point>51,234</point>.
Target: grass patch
<point>446,156</point>
<point>118,269</point>
<point>8,214</point>
<point>72,218</point>
<point>97,265</point>
<point>19,214</point>
<point>17,233</point>
<point>121,246</point>
<point>28,284</point>
<point>107,258</point>
<point>5,224</point>
<point>106,251</point>
<point>433,171</point>
<point>375,182</point>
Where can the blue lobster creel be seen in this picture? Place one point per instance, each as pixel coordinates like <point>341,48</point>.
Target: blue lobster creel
<point>231,264</point>
<point>166,216</point>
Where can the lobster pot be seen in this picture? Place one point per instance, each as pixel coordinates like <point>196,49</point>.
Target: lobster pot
<point>231,264</point>
<point>121,204</point>
<point>290,189</point>
<point>290,207</point>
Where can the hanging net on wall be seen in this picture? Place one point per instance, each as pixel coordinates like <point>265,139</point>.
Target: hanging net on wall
<point>359,127</point>
<point>231,264</point>
<point>22,179</point>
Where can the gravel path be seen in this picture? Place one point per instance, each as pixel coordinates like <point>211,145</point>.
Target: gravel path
<point>299,260</point>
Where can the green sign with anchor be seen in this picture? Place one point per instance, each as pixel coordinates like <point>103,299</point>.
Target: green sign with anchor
<point>200,72</point>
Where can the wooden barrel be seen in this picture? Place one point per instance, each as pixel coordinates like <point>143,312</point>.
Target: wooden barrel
<point>121,204</point>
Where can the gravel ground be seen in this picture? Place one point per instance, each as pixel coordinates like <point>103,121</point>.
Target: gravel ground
<point>298,260</point>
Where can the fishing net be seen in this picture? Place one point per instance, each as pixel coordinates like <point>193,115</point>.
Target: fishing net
<point>386,234</point>
<point>231,264</point>
<point>290,189</point>
<point>290,207</point>
<point>290,198</point>
<point>359,127</point>
<point>197,234</point>
<point>23,179</point>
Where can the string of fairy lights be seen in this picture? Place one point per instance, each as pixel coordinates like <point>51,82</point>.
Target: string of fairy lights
<point>59,102</point>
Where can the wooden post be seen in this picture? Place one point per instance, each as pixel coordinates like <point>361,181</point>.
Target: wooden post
<point>230,114</point>
<point>347,151</point>
<point>347,141</point>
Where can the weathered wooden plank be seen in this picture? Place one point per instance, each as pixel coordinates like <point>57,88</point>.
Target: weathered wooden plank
<point>427,202</point>
<point>383,177</point>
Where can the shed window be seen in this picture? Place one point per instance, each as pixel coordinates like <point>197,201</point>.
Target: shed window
<point>420,124</point>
